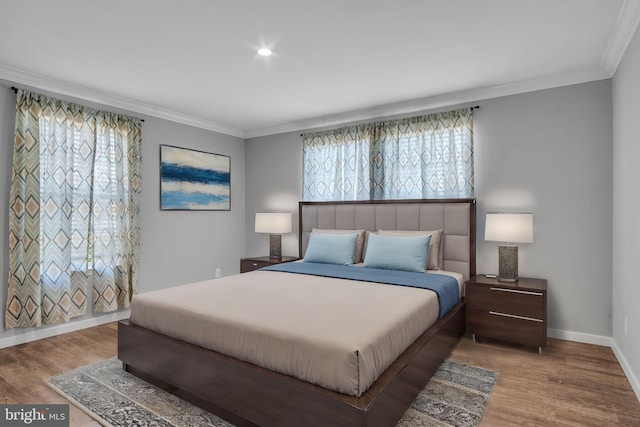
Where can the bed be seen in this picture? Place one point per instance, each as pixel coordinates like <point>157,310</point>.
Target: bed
<point>250,392</point>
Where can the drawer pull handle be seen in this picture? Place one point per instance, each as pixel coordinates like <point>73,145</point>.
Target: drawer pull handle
<point>254,264</point>
<point>517,292</point>
<point>513,316</point>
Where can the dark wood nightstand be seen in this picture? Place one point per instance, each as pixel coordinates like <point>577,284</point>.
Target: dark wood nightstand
<point>514,312</point>
<point>250,264</point>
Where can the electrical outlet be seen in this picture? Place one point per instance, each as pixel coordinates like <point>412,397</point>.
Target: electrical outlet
<point>218,272</point>
<point>626,327</point>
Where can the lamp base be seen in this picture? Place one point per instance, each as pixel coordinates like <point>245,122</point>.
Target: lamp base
<point>508,263</point>
<point>275,246</point>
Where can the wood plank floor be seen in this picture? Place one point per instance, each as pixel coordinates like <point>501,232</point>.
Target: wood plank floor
<point>25,368</point>
<point>570,384</point>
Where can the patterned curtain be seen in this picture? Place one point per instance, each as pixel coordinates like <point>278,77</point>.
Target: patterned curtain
<point>336,164</point>
<point>115,206</point>
<point>59,154</point>
<point>419,157</point>
<point>424,157</point>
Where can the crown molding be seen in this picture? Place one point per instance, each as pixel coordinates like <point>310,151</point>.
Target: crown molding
<point>32,80</point>
<point>435,102</point>
<point>625,28</point>
<point>619,40</point>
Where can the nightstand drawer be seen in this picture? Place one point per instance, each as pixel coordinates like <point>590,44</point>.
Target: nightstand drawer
<point>506,300</point>
<point>503,326</point>
<point>250,265</point>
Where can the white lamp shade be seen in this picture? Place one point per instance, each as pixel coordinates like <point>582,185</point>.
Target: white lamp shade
<point>273,223</point>
<point>512,228</point>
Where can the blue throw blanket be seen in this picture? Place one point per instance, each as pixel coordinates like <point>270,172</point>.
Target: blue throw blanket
<point>446,287</point>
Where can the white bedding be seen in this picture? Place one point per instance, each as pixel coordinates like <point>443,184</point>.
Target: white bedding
<point>340,334</point>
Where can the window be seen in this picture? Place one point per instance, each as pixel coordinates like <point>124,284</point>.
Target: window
<point>74,199</point>
<point>420,157</point>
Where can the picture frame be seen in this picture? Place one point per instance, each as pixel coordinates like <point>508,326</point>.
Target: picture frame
<point>194,180</point>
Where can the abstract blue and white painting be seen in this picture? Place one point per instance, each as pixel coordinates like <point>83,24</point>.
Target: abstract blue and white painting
<point>194,180</point>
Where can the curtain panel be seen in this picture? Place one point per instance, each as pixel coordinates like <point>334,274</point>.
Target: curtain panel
<point>73,211</point>
<point>420,157</point>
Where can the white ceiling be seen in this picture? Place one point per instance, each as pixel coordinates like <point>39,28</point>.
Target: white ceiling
<point>334,61</point>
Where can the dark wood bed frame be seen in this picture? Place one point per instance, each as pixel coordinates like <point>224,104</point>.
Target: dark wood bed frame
<point>248,395</point>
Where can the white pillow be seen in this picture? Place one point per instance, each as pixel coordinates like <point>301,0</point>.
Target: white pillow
<point>433,263</point>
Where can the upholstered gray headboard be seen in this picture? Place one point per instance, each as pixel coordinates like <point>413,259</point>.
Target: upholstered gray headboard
<point>457,217</point>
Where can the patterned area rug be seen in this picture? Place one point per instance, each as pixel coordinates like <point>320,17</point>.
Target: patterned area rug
<point>456,396</point>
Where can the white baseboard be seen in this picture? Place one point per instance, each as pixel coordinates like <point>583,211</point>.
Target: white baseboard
<point>635,384</point>
<point>580,337</point>
<point>25,335</point>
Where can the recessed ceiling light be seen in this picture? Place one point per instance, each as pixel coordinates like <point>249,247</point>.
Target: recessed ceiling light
<point>264,51</point>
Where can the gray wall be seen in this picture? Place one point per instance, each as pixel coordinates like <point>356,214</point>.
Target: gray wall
<point>176,247</point>
<point>626,206</point>
<point>274,184</point>
<point>546,152</point>
<point>550,153</point>
<point>180,246</point>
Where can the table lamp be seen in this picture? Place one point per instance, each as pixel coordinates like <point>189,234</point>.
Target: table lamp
<point>509,228</point>
<point>276,224</point>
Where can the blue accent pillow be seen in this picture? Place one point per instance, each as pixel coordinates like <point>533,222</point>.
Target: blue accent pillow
<point>331,248</point>
<point>406,253</point>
